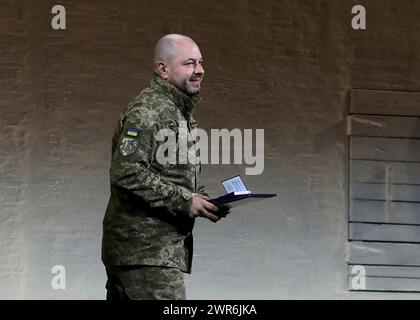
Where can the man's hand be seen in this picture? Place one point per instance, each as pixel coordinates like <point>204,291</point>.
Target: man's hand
<point>224,210</point>
<point>200,207</point>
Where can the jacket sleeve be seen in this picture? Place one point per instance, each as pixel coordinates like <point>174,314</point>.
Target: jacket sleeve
<point>135,148</point>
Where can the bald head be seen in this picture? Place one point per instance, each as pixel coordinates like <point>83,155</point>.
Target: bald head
<point>168,47</point>
<point>178,60</point>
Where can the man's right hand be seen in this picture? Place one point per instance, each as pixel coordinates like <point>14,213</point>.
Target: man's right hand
<point>200,207</point>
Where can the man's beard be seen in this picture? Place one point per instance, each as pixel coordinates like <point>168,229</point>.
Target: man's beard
<point>188,90</point>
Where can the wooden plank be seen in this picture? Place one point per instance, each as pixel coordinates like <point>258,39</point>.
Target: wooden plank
<point>368,191</point>
<point>387,149</point>
<point>384,232</point>
<point>382,191</point>
<point>386,284</point>
<point>384,253</point>
<point>385,271</point>
<point>376,171</point>
<point>380,211</point>
<point>385,102</point>
<point>384,126</point>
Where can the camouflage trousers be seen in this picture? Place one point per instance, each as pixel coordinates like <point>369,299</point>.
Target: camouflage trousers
<point>144,283</point>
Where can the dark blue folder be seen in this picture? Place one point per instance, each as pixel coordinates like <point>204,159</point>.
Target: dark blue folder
<point>233,199</point>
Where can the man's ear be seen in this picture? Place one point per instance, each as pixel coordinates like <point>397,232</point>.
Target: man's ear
<point>162,70</point>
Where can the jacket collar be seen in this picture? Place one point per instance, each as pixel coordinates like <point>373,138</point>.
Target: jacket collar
<point>183,101</point>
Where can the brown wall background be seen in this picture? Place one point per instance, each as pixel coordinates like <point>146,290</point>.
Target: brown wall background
<point>284,66</point>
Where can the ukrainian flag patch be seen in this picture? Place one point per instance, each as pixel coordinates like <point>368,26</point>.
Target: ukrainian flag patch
<point>132,132</point>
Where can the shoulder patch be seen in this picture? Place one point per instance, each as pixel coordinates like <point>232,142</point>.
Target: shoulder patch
<point>128,146</point>
<point>129,142</point>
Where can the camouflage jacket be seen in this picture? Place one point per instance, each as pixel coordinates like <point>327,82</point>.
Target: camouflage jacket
<point>146,221</point>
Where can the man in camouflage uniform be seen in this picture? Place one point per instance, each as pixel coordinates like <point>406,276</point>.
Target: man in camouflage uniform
<point>147,229</point>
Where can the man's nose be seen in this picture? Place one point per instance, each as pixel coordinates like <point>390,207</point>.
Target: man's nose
<point>199,69</point>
